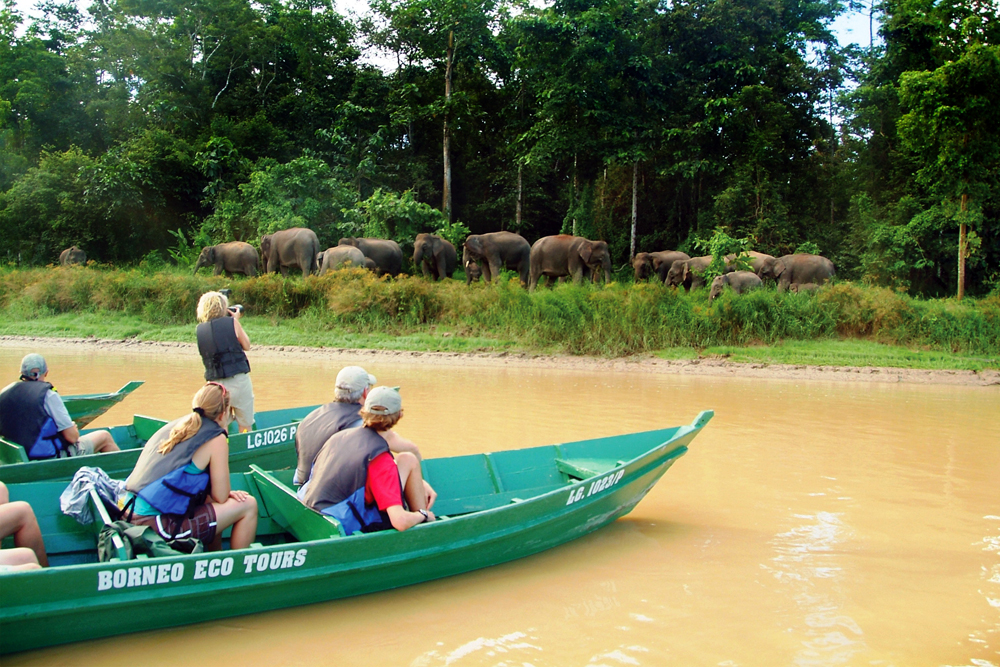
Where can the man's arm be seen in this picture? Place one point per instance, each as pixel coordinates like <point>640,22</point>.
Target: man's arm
<point>241,335</point>
<point>60,415</point>
<point>398,443</point>
<point>402,519</point>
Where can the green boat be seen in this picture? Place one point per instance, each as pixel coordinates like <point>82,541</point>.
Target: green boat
<point>271,445</point>
<point>493,508</point>
<point>85,408</point>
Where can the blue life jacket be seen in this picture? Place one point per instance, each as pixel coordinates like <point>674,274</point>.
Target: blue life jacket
<point>354,515</point>
<point>161,479</point>
<point>23,420</point>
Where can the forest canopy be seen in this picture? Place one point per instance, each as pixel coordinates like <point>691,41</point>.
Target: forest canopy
<point>139,129</point>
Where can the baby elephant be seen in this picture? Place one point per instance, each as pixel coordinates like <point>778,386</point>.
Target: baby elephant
<point>740,281</point>
<point>803,287</point>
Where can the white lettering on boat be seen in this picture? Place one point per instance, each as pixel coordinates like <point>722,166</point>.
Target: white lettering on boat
<point>206,568</point>
<point>272,436</point>
<point>147,575</point>
<point>595,487</point>
<point>279,560</point>
<point>216,567</point>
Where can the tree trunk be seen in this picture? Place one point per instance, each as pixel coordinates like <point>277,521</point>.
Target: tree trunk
<point>573,203</point>
<point>520,194</point>
<point>635,209</point>
<point>446,188</point>
<point>962,241</point>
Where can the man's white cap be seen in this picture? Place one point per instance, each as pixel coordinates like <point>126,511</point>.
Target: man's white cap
<point>354,378</point>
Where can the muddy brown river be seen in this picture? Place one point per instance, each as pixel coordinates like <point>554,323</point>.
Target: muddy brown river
<point>811,523</point>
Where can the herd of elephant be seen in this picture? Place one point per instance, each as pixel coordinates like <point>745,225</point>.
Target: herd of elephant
<point>549,259</point>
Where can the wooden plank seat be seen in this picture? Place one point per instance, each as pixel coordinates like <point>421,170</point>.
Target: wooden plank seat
<point>290,513</point>
<point>102,519</point>
<point>12,453</point>
<point>585,468</point>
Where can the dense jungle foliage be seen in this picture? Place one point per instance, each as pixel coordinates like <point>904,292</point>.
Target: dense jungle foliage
<point>144,130</point>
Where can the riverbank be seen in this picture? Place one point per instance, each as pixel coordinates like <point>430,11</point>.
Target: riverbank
<point>719,367</point>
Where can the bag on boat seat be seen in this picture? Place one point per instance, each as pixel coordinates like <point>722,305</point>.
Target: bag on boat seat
<point>142,540</point>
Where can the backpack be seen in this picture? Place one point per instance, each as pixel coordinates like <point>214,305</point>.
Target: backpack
<point>142,540</point>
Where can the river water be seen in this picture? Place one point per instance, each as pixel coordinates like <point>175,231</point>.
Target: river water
<point>811,523</point>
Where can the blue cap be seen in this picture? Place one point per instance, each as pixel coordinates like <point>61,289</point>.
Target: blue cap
<point>33,366</point>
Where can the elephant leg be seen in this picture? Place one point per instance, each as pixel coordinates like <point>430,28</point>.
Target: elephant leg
<point>495,266</point>
<point>217,270</point>
<point>486,271</point>
<point>441,273</point>
<point>425,269</point>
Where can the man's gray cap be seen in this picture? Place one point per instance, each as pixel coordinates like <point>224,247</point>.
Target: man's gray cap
<point>33,366</point>
<point>354,378</point>
<point>384,401</point>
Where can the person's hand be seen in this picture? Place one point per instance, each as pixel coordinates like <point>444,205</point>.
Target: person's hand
<point>238,496</point>
<point>238,313</point>
<point>430,494</point>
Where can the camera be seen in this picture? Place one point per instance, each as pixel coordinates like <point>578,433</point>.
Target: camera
<point>226,292</point>
<point>236,308</point>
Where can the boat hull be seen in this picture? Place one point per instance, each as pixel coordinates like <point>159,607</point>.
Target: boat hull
<point>85,408</point>
<point>87,601</point>
<point>271,446</point>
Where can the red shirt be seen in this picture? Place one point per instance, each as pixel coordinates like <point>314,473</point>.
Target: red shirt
<point>383,485</point>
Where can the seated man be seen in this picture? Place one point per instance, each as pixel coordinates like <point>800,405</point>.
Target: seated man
<point>18,519</point>
<point>357,481</point>
<point>353,383</point>
<point>33,416</point>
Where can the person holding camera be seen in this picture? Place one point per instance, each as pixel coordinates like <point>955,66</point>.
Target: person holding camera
<point>223,343</point>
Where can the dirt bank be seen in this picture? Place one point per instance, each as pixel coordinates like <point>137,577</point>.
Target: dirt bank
<point>713,367</point>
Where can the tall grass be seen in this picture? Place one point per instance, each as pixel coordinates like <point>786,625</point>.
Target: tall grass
<point>614,320</point>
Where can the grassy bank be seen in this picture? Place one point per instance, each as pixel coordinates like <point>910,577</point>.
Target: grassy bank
<point>354,309</point>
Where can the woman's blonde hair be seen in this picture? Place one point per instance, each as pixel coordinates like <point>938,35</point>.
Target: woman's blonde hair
<point>211,401</point>
<point>212,305</point>
<point>378,422</point>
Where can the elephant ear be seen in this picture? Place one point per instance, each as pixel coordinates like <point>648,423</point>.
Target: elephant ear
<point>779,268</point>
<point>684,275</point>
<point>586,251</point>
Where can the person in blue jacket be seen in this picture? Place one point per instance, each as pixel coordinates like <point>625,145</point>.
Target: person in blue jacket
<point>33,416</point>
<point>180,485</point>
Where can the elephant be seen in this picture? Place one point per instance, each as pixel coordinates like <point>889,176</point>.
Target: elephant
<point>72,255</point>
<point>233,257</point>
<point>648,263</point>
<point>335,258</point>
<point>757,259</point>
<point>497,251</point>
<point>472,272</point>
<point>436,257</point>
<point>386,254</point>
<point>797,269</point>
<point>565,255</point>
<point>290,248</point>
<point>739,281</point>
<point>688,272</point>
<point>803,287</point>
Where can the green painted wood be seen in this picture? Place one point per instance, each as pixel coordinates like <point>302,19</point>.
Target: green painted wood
<point>102,519</point>
<point>85,408</point>
<point>85,600</point>
<point>272,446</point>
<point>304,523</point>
<point>12,453</point>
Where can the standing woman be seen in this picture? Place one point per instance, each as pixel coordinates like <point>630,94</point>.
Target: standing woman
<point>185,464</point>
<point>222,343</point>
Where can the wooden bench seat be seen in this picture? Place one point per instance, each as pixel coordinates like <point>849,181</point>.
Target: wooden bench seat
<point>102,519</point>
<point>586,468</point>
<point>290,513</point>
<point>12,453</point>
